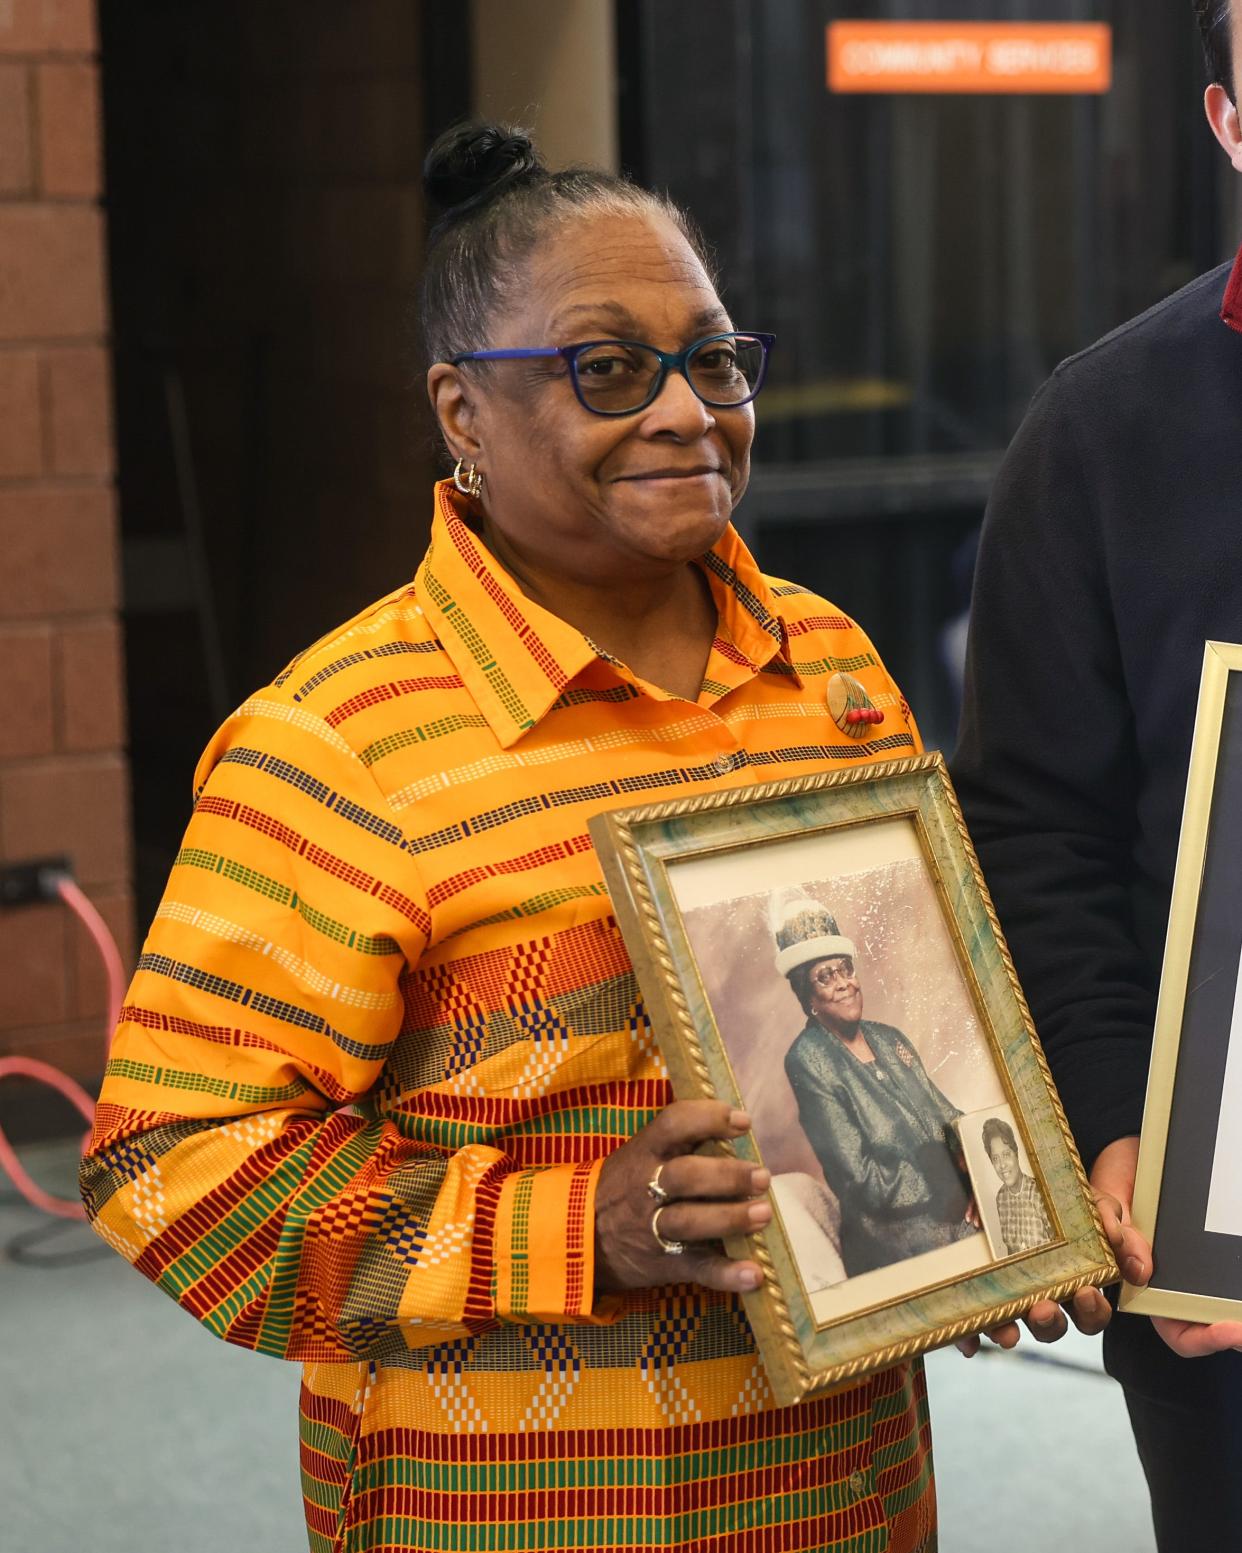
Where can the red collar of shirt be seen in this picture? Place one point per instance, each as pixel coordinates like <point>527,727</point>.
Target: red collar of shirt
<point>1231,308</point>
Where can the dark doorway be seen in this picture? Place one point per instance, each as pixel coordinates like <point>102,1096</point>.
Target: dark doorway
<point>266,228</point>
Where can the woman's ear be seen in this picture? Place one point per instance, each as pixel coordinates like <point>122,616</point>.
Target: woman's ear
<point>1222,115</point>
<point>455,408</point>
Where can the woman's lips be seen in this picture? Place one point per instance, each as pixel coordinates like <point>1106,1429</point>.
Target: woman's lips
<point>699,472</point>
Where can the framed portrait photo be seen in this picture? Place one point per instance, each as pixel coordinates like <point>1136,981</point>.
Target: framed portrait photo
<point>822,953</point>
<point>1188,1193</point>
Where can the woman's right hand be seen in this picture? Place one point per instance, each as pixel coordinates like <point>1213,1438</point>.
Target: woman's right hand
<point>709,1197</point>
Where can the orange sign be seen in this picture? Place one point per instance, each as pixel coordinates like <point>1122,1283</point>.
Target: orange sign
<point>969,57</point>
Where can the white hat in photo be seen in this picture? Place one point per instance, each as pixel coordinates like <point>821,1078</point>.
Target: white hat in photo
<point>803,929</point>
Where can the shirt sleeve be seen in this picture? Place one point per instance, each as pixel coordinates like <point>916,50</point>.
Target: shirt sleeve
<point>248,1154</point>
<point>1039,1214</point>
<point>1046,772</point>
<point>899,725</point>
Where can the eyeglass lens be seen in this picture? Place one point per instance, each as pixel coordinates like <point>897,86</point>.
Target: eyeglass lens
<point>829,975</point>
<point>613,376</point>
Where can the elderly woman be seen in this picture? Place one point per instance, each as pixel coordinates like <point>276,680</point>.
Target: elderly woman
<point>881,1129</point>
<point>384,1097</point>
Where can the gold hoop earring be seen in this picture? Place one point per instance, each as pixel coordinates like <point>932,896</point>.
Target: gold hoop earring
<point>469,483</point>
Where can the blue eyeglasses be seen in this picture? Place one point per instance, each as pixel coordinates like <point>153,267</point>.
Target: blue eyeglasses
<point>621,377</point>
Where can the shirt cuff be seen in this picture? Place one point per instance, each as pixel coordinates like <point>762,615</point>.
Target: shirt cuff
<point>545,1247</point>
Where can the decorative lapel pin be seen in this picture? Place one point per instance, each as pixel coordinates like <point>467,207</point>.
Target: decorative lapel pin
<point>851,708</point>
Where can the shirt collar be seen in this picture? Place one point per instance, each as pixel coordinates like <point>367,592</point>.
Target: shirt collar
<point>516,658</point>
<point>1231,308</point>
<point>750,613</point>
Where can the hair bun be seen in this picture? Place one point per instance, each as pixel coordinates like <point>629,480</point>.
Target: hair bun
<point>471,164</point>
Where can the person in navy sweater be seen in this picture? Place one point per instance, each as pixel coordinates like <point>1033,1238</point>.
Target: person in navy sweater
<point>1111,550</point>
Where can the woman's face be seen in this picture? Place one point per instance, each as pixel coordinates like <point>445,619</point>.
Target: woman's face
<point>1005,1162</point>
<point>587,497</point>
<point>836,997</point>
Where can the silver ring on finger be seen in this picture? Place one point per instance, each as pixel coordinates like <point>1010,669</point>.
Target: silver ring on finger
<point>669,1247</point>
<point>654,1190</point>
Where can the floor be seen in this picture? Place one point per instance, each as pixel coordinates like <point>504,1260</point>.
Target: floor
<point>124,1428</point>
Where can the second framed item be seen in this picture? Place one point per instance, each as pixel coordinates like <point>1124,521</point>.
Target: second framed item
<point>822,953</point>
<point>1188,1195</point>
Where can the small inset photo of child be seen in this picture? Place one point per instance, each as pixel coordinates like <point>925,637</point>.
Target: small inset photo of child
<point>1007,1193</point>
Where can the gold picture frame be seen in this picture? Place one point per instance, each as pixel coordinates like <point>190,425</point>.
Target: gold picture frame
<point>1194,1086</point>
<point>884,847</point>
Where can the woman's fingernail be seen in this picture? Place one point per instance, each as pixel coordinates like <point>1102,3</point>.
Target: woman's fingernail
<point>760,1180</point>
<point>1133,1269</point>
<point>759,1213</point>
<point>739,1121</point>
<point>751,1278</point>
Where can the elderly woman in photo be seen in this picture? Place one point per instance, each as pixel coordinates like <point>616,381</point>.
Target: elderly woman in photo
<point>384,1097</point>
<point>881,1129</point>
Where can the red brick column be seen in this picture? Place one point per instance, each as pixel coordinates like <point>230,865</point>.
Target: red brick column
<point>63,772</point>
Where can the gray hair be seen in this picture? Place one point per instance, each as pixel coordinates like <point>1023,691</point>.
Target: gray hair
<point>499,201</point>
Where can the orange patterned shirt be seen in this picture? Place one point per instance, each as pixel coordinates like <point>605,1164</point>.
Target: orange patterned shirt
<point>384,1032</point>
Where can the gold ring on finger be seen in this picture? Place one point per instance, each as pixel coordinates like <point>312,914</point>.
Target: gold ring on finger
<point>669,1247</point>
<point>654,1190</point>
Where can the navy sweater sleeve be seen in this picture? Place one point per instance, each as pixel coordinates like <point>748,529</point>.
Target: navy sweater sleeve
<point>1046,769</point>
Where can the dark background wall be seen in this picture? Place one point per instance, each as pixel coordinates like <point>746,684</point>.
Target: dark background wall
<point>266,231</point>
<point>924,261</point>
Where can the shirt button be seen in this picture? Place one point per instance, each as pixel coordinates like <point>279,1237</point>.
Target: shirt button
<point>858,1483</point>
<point>723,764</point>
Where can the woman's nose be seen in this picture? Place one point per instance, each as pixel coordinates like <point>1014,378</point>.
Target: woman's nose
<point>678,409</point>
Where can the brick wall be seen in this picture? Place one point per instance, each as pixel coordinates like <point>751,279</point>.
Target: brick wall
<point>63,774</point>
